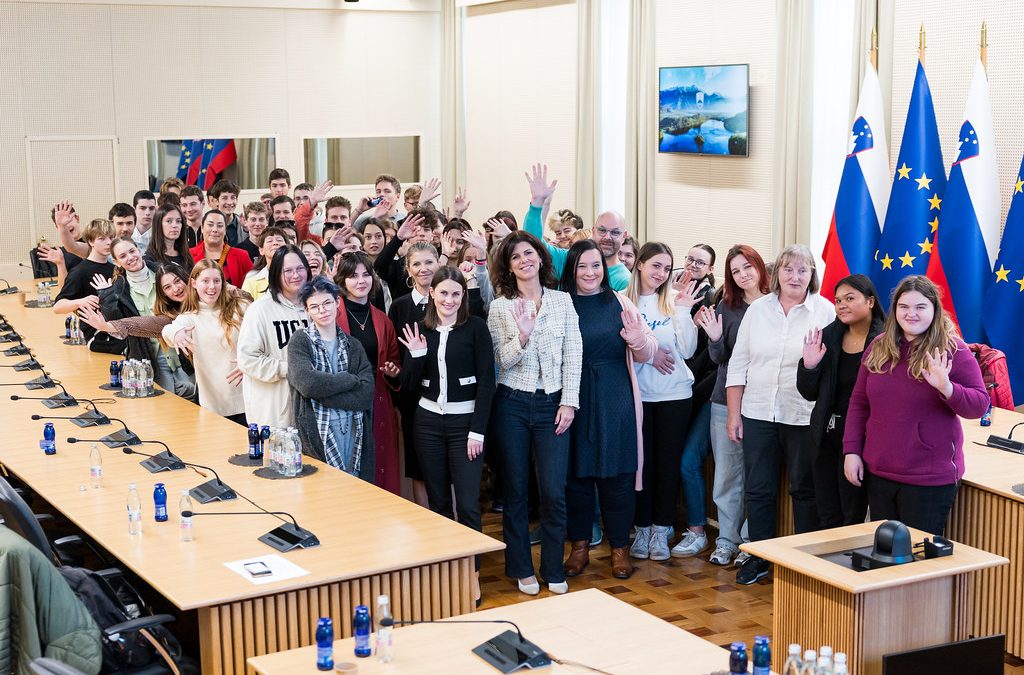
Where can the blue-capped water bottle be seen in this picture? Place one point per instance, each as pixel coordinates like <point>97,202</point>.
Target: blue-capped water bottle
<point>986,419</point>
<point>361,631</point>
<point>49,442</point>
<point>160,503</point>
<point>115,374</point>
<point>325,644</point>
<point>738,658</point>
<point>67,328</point>
<point>762,655</point>
<point>255,451</point>
<point>264,437</point>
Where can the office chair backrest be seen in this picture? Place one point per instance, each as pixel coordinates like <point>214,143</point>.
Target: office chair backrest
<point>18,517</point>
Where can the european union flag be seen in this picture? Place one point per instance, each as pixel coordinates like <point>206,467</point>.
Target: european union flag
<point>1004,300</point>
<point>183,159</point>
<point>916,198</point>
<point>195,162</point>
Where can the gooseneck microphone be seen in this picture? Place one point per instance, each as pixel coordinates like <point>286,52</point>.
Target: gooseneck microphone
<point>10,337</point>
<point>286,537</point>
<point>1007,443</point>
<point>10,289</point>
<point>41,382</point>
<point>20,349</point>
<point>212,490</point>
<point>508,651</point>
<point>28,364</point>
<point>62,400</point>
<point>164,461</point>
<point>90,418</point>
<point>119,438</point>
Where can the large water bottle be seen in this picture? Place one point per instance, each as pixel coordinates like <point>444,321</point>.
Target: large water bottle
<point>95,467</point>
<point>762,655</point>
<point>361,631</point>
<point>287,453</point>
<point>185,522</point>
<point>160,503</point>
<point>134,510</point>
<point>147,370</point>
<point>824,666</point>
<point>810,663</point>
<point>128,378</point>
<point>385,624</point>
<point>296,445</point>
<point>325,644</point>
<point>792,666</point>
<point>272,451</point>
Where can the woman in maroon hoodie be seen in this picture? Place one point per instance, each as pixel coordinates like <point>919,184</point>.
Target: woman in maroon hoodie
<point>903,436</point>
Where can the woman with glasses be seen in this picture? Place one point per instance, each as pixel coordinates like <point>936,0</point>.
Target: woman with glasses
<point>332,386</point>
<point>765,410</point>
<point>262,341</point>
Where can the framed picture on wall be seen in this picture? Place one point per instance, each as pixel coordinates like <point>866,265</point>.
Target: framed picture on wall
<point>702,110</point>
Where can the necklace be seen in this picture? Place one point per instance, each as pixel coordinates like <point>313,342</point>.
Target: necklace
<point>361,324</point>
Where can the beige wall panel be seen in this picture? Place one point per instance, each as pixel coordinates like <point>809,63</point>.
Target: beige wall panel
<point>82,170</point>
<point>720,201</point>
<point>520,75</point>
<point>14,220</point>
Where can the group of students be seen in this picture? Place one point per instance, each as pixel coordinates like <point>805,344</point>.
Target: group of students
<point>587,370</point>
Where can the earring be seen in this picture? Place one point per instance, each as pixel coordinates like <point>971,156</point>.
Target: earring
<point>409,282</point>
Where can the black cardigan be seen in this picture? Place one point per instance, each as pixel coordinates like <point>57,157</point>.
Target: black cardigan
<point>469,365</point>
<point>819,384</point>
<point>116,303</point>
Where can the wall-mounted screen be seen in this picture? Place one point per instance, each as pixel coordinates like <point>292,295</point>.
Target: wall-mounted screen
<point>702,110</point>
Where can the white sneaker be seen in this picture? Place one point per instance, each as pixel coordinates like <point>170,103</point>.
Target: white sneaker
<point>659,542</point>
<point>722,556</point>
<point>690,545</point>
<point>741,558</point>
<point>641,548</point>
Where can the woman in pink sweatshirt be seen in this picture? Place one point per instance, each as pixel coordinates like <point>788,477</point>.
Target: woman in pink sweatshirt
<point>903,436</point>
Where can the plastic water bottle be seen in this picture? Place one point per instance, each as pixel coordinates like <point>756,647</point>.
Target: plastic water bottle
<point>67,328</point>
<point>296,446</point>
<point>792,665</point>
<point>986,419</point>
<point>270,450</point>
<point>824,666</point>
<point>325,643</point>
<point>150,376</point>
<point>134,510</point>
<point>264,437</point>
<point>255,451</point>
<point>738,658</point>
<point>383,647</point>
<point>185,523</point>
<point>361,631</point>
<point>49,443</point>
<point>115,374</point>
<point>128,378</point>
<point>840,660</point>
<point>810,663</point>
<point>160,503</point>
<point>840,669</point>
<point>95,467</point>
<point>762,655</point>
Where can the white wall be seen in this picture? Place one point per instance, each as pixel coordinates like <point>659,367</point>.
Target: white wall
<point>128,72</point>
<point>520,84</point>
<point>720,201</point>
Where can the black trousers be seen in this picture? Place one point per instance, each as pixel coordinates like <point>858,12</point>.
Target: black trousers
<point>925,507</point>
<point>839,501</point>
<point>441,449</point>
<point>766,446</point>
<point>618,503</point>
<point>665,428</point>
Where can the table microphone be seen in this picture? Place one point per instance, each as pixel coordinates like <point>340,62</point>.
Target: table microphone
<point>119,438</point>
<point>284,538</point>
<point>164,461</point>
<point>10,289</point>
<point>28,364</point>
<point>90,418</point>
<point>41,382</point>
<point>507,652</point>
<point>20,350</point>
<point>10,337</point>
<point>1007,443</point>
<point>63,400</point>
<point>212,490</point>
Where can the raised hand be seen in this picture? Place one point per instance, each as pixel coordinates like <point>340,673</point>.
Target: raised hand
<point>939,363</point>
<point>94,319</point>
<point>341,236</point>
<point>183,341</point>
<point>449,245</point>
<point>407,230</point>
<point>540,189</point>
<point>688,296</point>
<point>382,209</point>
<point>632,327</point>
<point>319,194</point>
<point>99,282</point>
<point>51,255</point>
<point>413,340</point>
<point>431,189</point>
<point>711,323</point>
<point>460,203</point>
<point>680,282</point>
<point>814,351</point>
<point>468,270</point>
<point>63,214</point>
<point>390,369</point>
<point>499,230</point>
<point>664,362</point>
<point>525,318</point>
<point>476,240</point>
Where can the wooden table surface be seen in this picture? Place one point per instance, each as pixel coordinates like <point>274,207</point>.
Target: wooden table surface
<point>363,530</point>
<point>800,552</point>
<point>588,627</point>
<point>988,468</point>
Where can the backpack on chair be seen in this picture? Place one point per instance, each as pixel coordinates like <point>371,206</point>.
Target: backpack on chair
<point>996,376</point>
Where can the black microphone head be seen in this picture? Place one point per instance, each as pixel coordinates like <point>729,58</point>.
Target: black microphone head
<point>128,451</point>
<point>15,398</point>
<point>36,417</point>
<point>186,514</point>
<point>72,439</point>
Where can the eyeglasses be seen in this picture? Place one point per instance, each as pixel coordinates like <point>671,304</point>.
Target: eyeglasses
<point>604,232</point>
<point>325,306</point>
<point>694,263</point>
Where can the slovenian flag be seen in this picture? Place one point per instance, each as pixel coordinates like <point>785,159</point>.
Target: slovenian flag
<point>1004,300</point>
<point>195,162</point>
<point>863,192</point>
<point>967,240</point>
<point>915,201</point>
<point>221,156</point>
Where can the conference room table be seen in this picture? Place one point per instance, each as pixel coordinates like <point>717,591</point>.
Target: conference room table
<point>989,514</point>
<point>371,541</point>
<point>586,627</point>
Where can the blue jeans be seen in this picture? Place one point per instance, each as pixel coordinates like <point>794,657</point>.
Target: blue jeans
<point>691,468</point>
<point>524,425</point>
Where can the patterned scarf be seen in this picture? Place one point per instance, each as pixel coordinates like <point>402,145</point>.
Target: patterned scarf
<point>322,362</point>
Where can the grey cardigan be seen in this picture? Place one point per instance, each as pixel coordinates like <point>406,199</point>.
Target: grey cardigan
<point>344,391</point>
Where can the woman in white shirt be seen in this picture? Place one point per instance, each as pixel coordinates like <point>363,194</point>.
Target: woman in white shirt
<point>766,412</point>
<point>207,328</point>
<point>539,352</point>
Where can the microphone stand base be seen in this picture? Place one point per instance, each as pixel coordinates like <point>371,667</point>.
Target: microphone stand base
<point>27,364</point>
<point>212,491</point>
<point>121,438</point>
<point>41,382</point>
<point>165,461</point>
<point>508,653</point>
<point>289,537</point>
<point>90,418</point>
<point>60,401</point>
<point>9,290</point>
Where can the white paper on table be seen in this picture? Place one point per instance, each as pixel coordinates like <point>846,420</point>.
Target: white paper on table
<point>280,569</point>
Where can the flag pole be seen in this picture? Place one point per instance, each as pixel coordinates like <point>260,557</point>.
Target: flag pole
<point>874,46</point>
<point>984,45</point>
<point>921,45</point>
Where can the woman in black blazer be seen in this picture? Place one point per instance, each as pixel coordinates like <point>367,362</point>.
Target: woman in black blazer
<point>826,375</point>
<point>450,367</point>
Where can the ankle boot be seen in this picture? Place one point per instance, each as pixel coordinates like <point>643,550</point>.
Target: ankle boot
<point>579,558</point>
<point>622,568</point>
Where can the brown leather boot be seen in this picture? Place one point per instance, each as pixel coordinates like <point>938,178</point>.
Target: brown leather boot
<point>622,568</point>
<point>579,558</point>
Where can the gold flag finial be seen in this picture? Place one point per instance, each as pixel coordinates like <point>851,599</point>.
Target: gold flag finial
<point>983,46</point>
<point>874,47</point>
<point>921,44</point>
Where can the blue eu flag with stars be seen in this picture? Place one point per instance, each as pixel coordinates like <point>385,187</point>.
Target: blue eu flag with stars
<point>915,202</point>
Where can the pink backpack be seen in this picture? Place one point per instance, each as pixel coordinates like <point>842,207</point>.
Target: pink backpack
<point>996,376</point>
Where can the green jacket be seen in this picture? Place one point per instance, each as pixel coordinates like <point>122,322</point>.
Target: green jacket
<point>40,614</point>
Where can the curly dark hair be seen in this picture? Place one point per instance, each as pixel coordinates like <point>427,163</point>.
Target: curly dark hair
<point>502,278</point>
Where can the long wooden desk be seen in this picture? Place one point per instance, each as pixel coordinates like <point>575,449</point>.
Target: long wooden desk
<point>872,613</point>
<point>989,514</point>
<point>371,541</point>
<point>588,627</point>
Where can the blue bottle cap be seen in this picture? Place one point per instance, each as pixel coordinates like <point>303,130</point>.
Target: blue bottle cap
<point>738,646</point>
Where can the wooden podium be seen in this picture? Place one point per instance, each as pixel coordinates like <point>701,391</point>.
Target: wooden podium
<point>866,614</point>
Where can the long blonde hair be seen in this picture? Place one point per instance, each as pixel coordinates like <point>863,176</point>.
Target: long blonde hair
<point>941,334</point>
<point>664,292</point>
<point>228,305</point>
